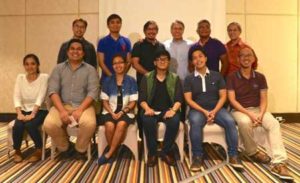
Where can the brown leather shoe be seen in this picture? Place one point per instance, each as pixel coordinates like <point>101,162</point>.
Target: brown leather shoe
<point>260,157</point>
<point>18,156</point>
<point>152,161</point>
<point>36,156</point>
<point>169,159</point>
<point>236,163</point>
<point>281,171</point>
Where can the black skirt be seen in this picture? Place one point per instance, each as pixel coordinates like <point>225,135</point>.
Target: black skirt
<point>107,117</point>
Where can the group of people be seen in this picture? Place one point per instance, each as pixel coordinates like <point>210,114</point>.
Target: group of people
<point>172,79</point>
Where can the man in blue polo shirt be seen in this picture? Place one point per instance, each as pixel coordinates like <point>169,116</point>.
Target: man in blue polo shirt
<point>111,44</point>
<point>205,93</point>
<point>214,48</point>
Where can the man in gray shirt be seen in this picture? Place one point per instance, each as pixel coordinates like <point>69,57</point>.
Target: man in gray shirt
<point>72,87</point>
<point>79,27</point>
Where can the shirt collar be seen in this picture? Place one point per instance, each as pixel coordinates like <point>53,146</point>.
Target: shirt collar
<point>109,35</point>
<point>238,43</point>
<point>69,65</point>
<point>240,76</point>
<point>197,74</point>
<point>148,42</point>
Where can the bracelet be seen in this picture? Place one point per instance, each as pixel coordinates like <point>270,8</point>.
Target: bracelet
<point>124,112</point>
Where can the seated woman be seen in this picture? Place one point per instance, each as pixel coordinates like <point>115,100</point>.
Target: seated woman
<point>205,93</point>
<point>119,95</point>
<point>29,94</point>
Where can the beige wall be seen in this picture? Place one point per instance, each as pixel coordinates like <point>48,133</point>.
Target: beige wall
<point>271,27</point>
<point>40,26</point>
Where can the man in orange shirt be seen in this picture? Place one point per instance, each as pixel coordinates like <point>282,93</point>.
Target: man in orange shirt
<point>234,46</point>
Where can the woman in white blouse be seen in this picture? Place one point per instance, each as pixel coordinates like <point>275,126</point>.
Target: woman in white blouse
<point>29,95</point>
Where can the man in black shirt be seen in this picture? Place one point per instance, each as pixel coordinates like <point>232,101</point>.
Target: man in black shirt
<point>142,57</point>
<point>160,98</point>
<point>79,27</point>
<point>143,52</point>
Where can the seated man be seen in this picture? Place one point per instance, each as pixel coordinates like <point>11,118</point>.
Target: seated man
<point>73,86</point>
<point>247,92</point>
<point>205,93</point>
<point>160,98</point>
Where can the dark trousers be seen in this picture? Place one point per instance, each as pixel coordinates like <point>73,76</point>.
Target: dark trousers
<point>32,127</point>
<point>150,130</point>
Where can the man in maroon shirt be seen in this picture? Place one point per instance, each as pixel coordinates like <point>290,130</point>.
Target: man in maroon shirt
<point>247,93</point>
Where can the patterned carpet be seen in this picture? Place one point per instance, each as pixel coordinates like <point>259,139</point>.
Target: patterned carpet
<point>126,169</point>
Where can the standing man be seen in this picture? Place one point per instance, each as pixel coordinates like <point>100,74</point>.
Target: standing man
<point>143,56</point>
<point>179,48</point>
<point>248,94</point>
<point>72,87</point>
<point>143,52</point>
<point>160,98</point>
<point>214,48</point>
<point>79,27</point>
<point>112,44</point>
<point>233,47</point>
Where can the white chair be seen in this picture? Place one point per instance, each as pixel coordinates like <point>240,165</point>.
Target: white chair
<point>212,133</point>
<point>161,129</point>
<point>72,132</point>
<point>10,141</point>
<point>131,140</point>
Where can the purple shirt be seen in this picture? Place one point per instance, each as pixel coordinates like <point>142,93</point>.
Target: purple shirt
<point>214,50</point>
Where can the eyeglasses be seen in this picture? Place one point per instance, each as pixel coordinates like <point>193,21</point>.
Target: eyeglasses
<point>162,59</point>
<point>117,63</point>
<point>248,55</point>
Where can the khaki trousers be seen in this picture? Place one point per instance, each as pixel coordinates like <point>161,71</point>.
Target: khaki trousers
<point>272,127</point>
<point>56,129</point>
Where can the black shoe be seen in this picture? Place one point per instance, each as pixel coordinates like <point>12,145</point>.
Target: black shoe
<point>80,156</point>
<point>69,152</point>
<point>152,161</point>
<point>169,159</point>
<point>103,160</point>
<point>236,163</point>
<point>196,164</point>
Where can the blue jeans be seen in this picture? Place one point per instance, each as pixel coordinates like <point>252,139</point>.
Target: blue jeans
<point>150,130</point>
<point>224,119</point>
<point>32,127</point>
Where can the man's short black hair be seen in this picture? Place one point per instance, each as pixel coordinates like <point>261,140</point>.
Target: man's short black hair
<point>80,20</point>
<point>160,53</point>
<point>194,50</point>
<point>75,41</point>
<point>148,23</point>
<point>113,16</point>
